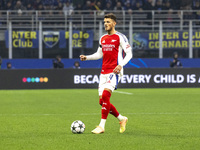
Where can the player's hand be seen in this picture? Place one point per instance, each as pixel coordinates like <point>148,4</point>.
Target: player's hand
<point>82,57</point>
<point>117,69</point>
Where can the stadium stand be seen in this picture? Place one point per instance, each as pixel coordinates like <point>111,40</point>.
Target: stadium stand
<point>144,16</point>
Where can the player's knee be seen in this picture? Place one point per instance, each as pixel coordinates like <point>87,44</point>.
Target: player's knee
<point>106,95</point>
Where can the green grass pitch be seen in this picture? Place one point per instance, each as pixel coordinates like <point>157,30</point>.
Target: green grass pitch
<point>159,119</point>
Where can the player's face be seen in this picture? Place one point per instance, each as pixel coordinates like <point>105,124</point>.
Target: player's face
<point>109,24</point>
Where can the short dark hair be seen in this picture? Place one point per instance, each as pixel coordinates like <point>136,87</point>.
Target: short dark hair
<point>111,16</point>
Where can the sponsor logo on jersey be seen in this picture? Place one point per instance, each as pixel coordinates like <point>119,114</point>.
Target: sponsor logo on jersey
<point>113,40</point>
<point>103,41</point>
<point>108,47</point>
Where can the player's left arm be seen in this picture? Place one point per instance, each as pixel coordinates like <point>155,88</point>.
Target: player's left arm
<point>128,50</point>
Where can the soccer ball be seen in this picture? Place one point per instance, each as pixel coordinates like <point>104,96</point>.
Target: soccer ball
<point>77,127</point>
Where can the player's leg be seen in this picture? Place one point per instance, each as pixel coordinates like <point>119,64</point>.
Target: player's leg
<point>122,119</point>
<point>105,109</point>
<point>113,110</point>
<point>100,128</point>
<point>114,79</point>
<point>106,86</point>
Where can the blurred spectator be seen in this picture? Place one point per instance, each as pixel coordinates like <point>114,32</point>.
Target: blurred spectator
<point>108,7</point>
<point>59,9</point>
<point>9,65</point>
<point>109,1</point>
<point>26,2</point>
<point>188,15</point>
<point>19,6</point>
<point>175,4</point>
<point>30,10</point>
<point>129,12</point>
<point>138,5</point>
<point>148,5</point>
<point>2,20</point>
<point>78,9</point>
<point>57,63</point>
<point>100,5</point>
<point>99,8</point>
<point>114,3</point>
<point>64,1</point>
<point>48,7</point>
<point>158,5</point>
<point>170,16</point>
<point>175,63</point>
<point>48,2</point>
<point>76,65</point>
<point>40,13</point>
<point>127,5</point>
<point>133,2</point>
<point>67,9</point>
<point>91,4</point>
<point>1,5</point>
<point>196,5</point>
<point>55,3</point>
<point>29,6</point>
<point>9,6</point>
<point>185,3</point>
<point>13,2</point>
<point>118,8</point>
<point>38,4</point>
<point>88,7</point>
<point>198,17</point>
<point>52,19</point>
<point>40,7</point>
<point>167,5</point>
<point>76,2</point>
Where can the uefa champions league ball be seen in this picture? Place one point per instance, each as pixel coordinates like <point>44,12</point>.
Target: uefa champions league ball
<point>77,127</point>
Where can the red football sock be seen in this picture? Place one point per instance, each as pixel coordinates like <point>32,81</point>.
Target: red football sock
<point>106,104</point>
<point>101,101</point>
<point>113,110</point>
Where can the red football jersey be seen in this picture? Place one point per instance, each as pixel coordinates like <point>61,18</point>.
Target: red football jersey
<point>112,46</point>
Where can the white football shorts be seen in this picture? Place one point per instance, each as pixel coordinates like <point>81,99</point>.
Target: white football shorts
<point>109,81</point>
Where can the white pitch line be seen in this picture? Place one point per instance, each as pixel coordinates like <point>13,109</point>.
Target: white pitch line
<point>93,114</point>
<point>164,113</point>
<point>123,92</point>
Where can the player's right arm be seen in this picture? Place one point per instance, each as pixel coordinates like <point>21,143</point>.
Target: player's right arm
<point>95,56</point>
